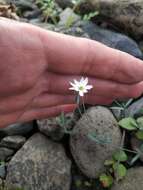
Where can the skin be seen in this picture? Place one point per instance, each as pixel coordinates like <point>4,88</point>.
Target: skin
<point>36,66</point>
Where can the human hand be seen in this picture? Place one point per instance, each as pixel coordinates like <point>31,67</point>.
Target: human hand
<point>36,66</point>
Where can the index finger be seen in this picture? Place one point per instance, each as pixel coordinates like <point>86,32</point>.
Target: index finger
<point>80,56</point>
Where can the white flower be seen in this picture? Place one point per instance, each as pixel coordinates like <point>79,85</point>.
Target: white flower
<point>81,86</point>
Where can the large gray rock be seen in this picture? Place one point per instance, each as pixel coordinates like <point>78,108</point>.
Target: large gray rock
<point>90,154</point>
<point>124,13</point>
<point>132,181</point>
<point>39,165</point>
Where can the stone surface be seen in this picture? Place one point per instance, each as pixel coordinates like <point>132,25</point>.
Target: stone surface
<point>2,171</point>
<point>124,13</point>
<point>13,142</point>
<point>51,128</point>
<point>90,154</point>
<point>17,129</point>
<point>39,165</point>
<point>5,153</point>
<point>68,18</point>
<point>64,3</point>
<point>135,109</point>
<point>24,4</point>
<point>133,180</point>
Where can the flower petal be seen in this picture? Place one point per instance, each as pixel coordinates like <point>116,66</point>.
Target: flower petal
<point>85,82</point>
<point>76,82</point>
<point>88,87</point>
<point>81,93</point>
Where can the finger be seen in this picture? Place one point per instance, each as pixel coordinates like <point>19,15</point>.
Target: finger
<point>17,103</point>
<point>104,88</point>
<point>51,100</point>
<point>29,115</point>
<point>87,57</point>
<point>47,100</point>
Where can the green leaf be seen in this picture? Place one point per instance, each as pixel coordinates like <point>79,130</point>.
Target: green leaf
<point>120,156</point>
<point>128,123</point>
<point>99,139</point>
<point>139,135</point>
<point>109,162</point>
<point>87,184</point>
<point>120,171</point>
<point>106,180</point>
<point>78,183</point>
<point>140,123</point>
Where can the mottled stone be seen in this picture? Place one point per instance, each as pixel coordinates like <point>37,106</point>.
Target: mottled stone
<point>90,154</point>
<point>132,181</point>
<point>39,165</point>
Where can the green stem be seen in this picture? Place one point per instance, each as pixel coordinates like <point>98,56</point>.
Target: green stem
<point>83,104</point>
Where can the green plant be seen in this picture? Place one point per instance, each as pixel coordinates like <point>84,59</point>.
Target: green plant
<point>135,126</point>
<point>115,169</point>
<point>90,15</point>
<point>49,9</point>
<point>63,122</point>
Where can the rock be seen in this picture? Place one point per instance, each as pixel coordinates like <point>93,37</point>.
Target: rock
<point>17,129</point>
<point>51,128</point>
<point>68,18</point>
<point>64,3</point>
<point>136,145</point>
<point>2,171</point>
<point>90,154</point>
<point>135,109</point>
<point>13,142</point>
<point>24,5</point>
<point>112,39</point>
<point>141,45</point>
<point>132,181</point>
<point>39,165</point>
<point>5,153</point>
<point>124,13</point>
<point>32,14</point>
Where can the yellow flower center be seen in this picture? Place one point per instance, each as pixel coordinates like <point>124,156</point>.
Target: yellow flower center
<point>81,88</point>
